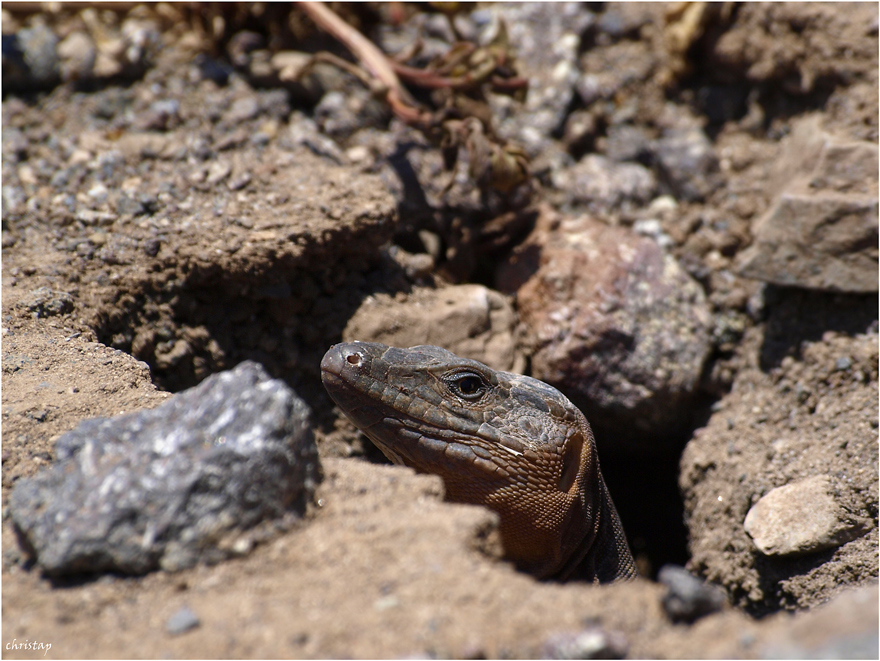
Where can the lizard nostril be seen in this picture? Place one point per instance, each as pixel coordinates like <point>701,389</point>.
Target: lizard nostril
<point>353,359</point>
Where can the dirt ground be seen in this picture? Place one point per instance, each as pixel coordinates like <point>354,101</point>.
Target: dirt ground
<point>142,253</point>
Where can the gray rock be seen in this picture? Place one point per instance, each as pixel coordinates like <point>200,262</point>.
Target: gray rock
<point>304,131</point>
<point>29,58</point>
<point>602,184</point>
<point>802,517</point>
<point>688,598</point>
<point>469,320</point>
<point>182,621</point>
<point>821,231</point>
<point>44,302</point>
<point>686,162</point>
<point>615,324</point>
<point>340,114</point>
<point>547,38</point>
<point>174,485</point>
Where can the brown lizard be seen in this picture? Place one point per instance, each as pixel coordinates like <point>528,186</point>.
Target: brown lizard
<point>503,440</point>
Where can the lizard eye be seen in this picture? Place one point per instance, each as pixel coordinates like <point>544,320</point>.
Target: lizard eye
<point>467,386</point>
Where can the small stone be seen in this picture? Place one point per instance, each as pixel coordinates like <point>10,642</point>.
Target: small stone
<point>842,364</point>
<point>217,172</point>
<point>44,302</point>
<point>182,621</point>
<point>687,161</point>
<point>242,110</point>
<point>90,217</point>
<point>593,642</point>
<point>688,598</point>
<point>239,182</point>
<point>77,53</point>
<point>602,184</point>
<point>144,145</point>
<point>37,61</point>
<point>801,517</point>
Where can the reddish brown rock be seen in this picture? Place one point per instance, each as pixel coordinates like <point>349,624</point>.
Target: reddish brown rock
<point>615,324</point>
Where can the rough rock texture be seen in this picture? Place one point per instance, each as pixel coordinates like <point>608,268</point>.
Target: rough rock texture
<point>172,485</point>
<point>686,160</point>
<point>821,232</point>
<point>547,39</point>
<point>599,183</point>
<point>43,302</point>
<point>469,320</point>
<point>617,325</point>
<point>813,414</point>
<point>802,517</point>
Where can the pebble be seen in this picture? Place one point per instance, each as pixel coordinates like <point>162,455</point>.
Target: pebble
<point>44,302</point>
<point>801,517</point>
<point>687,160</point>
<point>38,64</point>
<point>77,53</point>
<point>217,172</point>
<point>182,621</point>
<point>242,110</point>
<point>688,598</point>
<point>593,642</point>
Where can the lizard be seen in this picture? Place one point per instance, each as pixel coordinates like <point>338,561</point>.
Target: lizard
<point>506,441</point>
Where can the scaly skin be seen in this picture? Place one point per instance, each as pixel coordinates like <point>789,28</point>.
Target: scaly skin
<point>506,441</point>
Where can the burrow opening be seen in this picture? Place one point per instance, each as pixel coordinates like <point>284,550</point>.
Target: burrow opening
<point>189,326</point>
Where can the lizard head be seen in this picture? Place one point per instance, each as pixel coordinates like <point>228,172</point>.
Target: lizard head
<point>503,440</point>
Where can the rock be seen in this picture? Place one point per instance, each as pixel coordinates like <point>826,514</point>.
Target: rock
<point>689,598</point>
<point>304,131</point>
<point>242,109</point>
<point>615,324</point>
<point>821,232</point>
<point>469,320</point>
<point>594,642</point>
<point>608,71</point>
<point>602,184</point>
<point>340,114</point>
<point>686,162</point>
<point>77,54</point>
<point>29,58</point>
<point>182,621</point>
<point>802,517</point>
<point>547,39</point>
<point>44,302</point>
<point>144,145</point>
<point>171,486</point>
